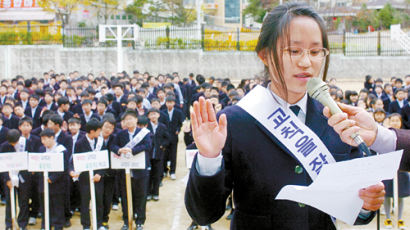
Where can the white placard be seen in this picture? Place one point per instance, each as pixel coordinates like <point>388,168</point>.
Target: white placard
<point>13,161</point>
<point>45,162</point>
<point>189,157</point>
<point>91,161</point>
<point>128,161</point>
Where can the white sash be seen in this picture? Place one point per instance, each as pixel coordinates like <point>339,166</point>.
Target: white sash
<point>302,142</point>
<point>21,144</point>
<point>100,142</point>
<point>138,138</point>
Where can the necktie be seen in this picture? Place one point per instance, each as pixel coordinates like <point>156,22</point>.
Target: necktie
<point>295,109</point>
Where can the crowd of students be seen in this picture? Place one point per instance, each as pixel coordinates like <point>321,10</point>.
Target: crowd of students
<point>75,114</point>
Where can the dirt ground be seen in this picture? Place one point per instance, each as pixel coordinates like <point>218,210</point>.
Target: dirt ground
<point>169,212</point>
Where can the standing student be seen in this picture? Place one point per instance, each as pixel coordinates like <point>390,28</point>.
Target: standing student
<point>174,119</point>
<point>239,154</point>
<point>9,146</point>
<point>63,138</point>
<point>3,131</point>
<point>133,140</point>
<point>56,182</point>
<point>89,143</point>
<point>28,181</point>
<point>34,110</point>
<point>107,132</point>
<point>74,125</point>
<point>401,100</point>
<point>160,141</point>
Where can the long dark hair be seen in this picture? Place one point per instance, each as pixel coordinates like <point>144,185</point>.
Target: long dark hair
<point>275,26</point>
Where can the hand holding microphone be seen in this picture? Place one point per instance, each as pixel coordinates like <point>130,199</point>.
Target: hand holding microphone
<point>349,125</point>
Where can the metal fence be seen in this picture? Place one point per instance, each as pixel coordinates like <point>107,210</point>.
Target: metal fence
<point>349,44</point>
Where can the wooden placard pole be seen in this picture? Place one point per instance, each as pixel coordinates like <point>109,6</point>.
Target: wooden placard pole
<point>129,197</point>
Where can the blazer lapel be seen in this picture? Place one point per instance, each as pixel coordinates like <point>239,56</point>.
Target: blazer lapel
<point>315,120</point>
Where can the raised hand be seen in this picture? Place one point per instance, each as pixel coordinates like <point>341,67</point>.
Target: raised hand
<point>209,136</point>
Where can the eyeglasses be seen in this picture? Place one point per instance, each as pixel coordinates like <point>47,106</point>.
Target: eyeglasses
<point>316,53</point>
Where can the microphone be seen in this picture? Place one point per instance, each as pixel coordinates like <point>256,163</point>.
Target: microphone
<point>319,90</point>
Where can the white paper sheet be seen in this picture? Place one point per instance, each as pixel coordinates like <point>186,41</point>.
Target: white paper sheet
<point>336,190</point>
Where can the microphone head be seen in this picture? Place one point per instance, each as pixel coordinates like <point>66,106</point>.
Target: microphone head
<point>315,86</point>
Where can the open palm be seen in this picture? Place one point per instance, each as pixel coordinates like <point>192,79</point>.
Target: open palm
<point>209,135</point>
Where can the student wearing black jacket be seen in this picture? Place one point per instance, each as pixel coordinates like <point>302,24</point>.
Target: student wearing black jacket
<point>160,141</point>
<point>140,176</point>
<point>13,136</point>
<point>57,182</point>
<point>89,143</point>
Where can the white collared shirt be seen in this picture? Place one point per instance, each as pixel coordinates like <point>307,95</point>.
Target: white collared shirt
<point>91,141</point>
<point>33,111</point>
<point>154,127</point>
<point>170,113</point>
<point>56,135</point>
<point>302,103</point>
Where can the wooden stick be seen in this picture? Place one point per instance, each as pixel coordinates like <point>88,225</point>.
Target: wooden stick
<point>129,197</point>
<point>396,198</point>
<point>13,205</point>
<point>93,203</point>
<point>46,203</point>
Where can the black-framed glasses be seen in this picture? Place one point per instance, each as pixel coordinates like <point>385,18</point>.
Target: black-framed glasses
<point>315,53</point>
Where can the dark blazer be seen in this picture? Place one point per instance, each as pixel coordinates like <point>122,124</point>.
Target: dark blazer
<point>175,124</point>
<point>3,134</point>
<point>66,140</point>
<point>394,106</point>
<point>67,115</point>
<point>256,166</point>
<point>12,123</point>
<point>36,131</point>
<point>108,146</point>
<point>84,122</point>
<point>58,179</point>
<point>119,107</point>
<point>403,142</point>
<point>405,114</point>
<point>33,145</point>
<point>36,117</point>
<point>122,138</point>
<point>160,140</point>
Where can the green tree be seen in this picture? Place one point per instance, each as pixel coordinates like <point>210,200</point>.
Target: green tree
<point>257,9</point>
<point>386,16</point>
<point>137,9</point>
<point>62,8</point>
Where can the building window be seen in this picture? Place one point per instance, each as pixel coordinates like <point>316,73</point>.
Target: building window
<point>232,11</point>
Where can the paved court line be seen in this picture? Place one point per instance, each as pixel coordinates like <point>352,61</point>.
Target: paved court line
<point>178,207</point>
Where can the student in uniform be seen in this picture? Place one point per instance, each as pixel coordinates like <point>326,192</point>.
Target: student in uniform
<point>107,132</point>
<point>238,153</point>
<point>160,141</point>
<point>90,142</point>
<point>133,140</point>
<point>63,138</point>
<point>174,119</point>
<point>34,110</point>
<point>28,181</point>
<point>74,125</point>
<point>9,146</point>
<point>3,130</point>
<point>57,182</point>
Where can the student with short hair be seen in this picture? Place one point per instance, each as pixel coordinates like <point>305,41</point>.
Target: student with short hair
<point>133,140</point>
<point>28,182</point>
<point>160,141</point>
<point>57,182</point>
<point>89,143</point>
<point>9,146</point>
<point>34,110</point>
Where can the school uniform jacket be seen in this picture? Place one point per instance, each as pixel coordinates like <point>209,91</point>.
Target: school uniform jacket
<point>66,140</point>
<point>174,124</point>
<point>3,134</point>
<point>405,114</point>
<point>12,123</point>
<point>394,106</point>
<point>122,138</point>
<point>255,167</point>
<point>33,145</point>
<point>160,140</point>
<point>58,179</point>
<point>403,142</point>
<point>36,117</point>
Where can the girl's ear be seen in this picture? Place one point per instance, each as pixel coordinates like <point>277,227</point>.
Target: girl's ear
<point>263,57</point>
